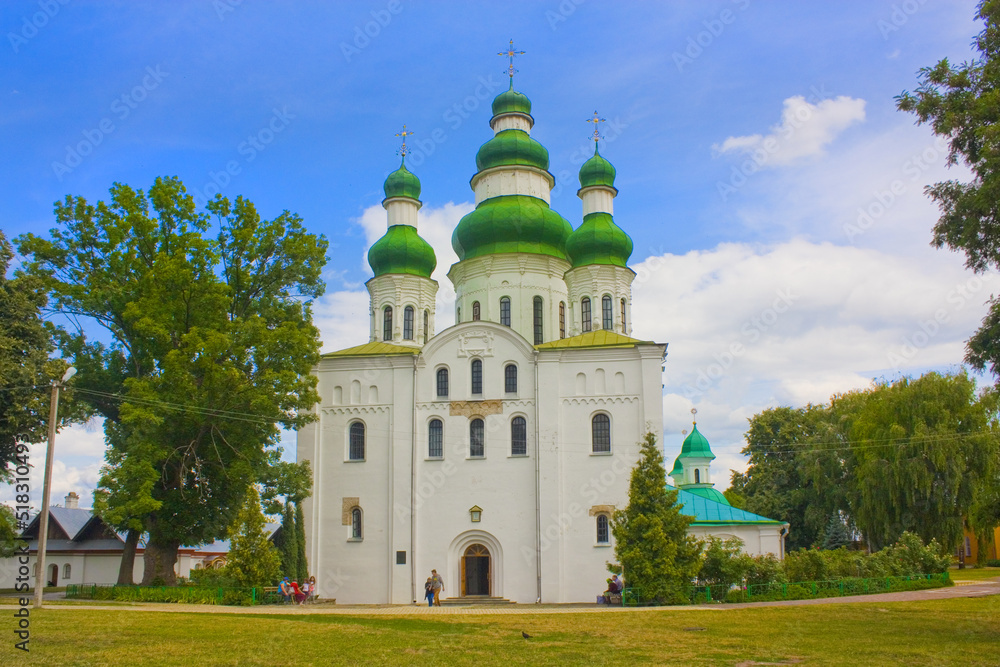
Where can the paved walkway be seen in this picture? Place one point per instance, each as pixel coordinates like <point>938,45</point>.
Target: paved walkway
<point>970,590</point>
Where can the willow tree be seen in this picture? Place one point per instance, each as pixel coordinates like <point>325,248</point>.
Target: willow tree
<point>211,347</point>
<point>655,553</point>
<point>920,454</point>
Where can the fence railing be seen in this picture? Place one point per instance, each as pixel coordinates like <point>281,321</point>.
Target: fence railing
<point>799,590</point>
<point>190,594</point>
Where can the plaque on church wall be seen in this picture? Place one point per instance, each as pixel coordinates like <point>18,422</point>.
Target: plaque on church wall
<point>475,344</point>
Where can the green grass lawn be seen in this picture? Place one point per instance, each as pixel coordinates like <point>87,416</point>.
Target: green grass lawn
<point>974,574</point>
<point>938,632</point>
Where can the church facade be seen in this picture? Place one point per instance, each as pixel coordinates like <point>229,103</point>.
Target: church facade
<point>496,450</point>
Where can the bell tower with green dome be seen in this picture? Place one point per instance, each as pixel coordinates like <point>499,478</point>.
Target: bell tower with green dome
<point>599,282</point>
<point>512,247</point>
<point>691,467</point>
<point>402,291</point>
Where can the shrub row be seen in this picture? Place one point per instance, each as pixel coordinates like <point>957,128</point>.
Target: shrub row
<point>188,594</point>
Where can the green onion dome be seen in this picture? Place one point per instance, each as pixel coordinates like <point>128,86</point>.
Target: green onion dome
<point>599,241</point>
<point>678,468</point>
<point>402,250</point>
<point>511,101</point>
<point>696,445</point>
<point>511,223</point>
<point>709,493</point>
<point>402,183</point>
<point>512,147</point>
<point>597,171</point>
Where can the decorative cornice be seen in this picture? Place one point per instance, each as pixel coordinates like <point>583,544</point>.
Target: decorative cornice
<point>601,400</point>
<point>356,410</point>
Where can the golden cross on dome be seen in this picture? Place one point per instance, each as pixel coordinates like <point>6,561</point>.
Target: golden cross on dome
<point>404,134</point>
<point>596,120</point>
<point>510,53</point>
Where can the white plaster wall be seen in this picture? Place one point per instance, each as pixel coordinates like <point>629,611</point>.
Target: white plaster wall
<point>598,200</point>
<point>511,122</point>
<point>401,211</point>
<point>519,180</point>
<point>594,281</point>
<point>518,276</point>
<point>399,291</point>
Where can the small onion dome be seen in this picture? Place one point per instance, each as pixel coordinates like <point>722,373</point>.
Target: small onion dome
<point>599,241</point>
<point>709,493</point>
<point>597,171</point>
<point>512,147</point>
<point>678,468</point>
<point>402,250</point>
<point>696,446</point>
<point>402,183</point>
<point>511,101</point>
<point>511,223</point>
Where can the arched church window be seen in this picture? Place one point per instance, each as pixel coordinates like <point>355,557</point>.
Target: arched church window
<point>426,326</point>
<point>518,437</point>
<point>477,439</point>
<point>356,527</point>
<point>602,529</point>
<point>510,378</point>
<point>408,323</point>
<point>536,308</point>
<point>505,311</point>
<point>562,319</point>
<point>477,376</point>
<point>356,448</point>
<point>475,311</point>
<point>387,323</point>
<point>585,317</point>
<point>623,316</point>
<point>600,427</point>
<point>66,571</point>
<point>697,476</point>
<point>607,313</point>
<point>442,383</point>
<point>435,439</point>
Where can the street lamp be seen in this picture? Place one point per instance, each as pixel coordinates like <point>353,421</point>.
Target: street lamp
<point>43,520</point>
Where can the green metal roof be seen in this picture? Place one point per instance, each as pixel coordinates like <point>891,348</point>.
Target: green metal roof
<point>512,147</point>
<point>511,223</point>
<point>402,250</point>
<point>597,171</point>
<point>599,338</point>
<point>696,446</point>
<point>708,512</point>
<point>372,350</point>
<point>402,183</point>
<point>599,241</point>
<point>707,491</point>
<point>511,101</point>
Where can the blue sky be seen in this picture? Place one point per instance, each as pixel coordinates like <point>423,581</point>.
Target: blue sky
<point>773,192</point>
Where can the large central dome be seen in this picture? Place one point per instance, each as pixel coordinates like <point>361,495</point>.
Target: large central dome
<point>511,223</point>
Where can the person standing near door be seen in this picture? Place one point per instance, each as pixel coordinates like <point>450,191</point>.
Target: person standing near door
<point>438,587</point>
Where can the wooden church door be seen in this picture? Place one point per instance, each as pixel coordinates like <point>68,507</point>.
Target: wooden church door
<point>476,571</point>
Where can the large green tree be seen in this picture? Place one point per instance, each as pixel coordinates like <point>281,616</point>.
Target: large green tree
<point>920,453</point>
<point>790,477</point>
<point>26,367</point>
<point>656,555</point>
<point>211,346</point>
<point>962,105</point>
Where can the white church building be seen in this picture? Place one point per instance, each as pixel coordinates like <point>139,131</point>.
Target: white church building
<point>496,450</point>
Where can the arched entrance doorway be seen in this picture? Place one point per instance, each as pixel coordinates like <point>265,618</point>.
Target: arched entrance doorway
<point>476,577</point>
<point>53,576</point>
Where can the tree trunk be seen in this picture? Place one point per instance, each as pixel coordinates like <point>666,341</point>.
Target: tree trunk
<point>128,558</point>
<point>159,561</point>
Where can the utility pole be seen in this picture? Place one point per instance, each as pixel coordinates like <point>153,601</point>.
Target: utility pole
<point>43,519</point>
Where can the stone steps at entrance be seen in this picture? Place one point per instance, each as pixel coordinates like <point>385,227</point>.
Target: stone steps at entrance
<point>475,599</point>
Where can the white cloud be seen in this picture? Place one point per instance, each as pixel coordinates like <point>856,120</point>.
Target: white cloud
<point>804,131</point>
<point>753,327</point>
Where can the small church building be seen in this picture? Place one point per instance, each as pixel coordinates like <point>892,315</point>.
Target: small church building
<point>495,451</point>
